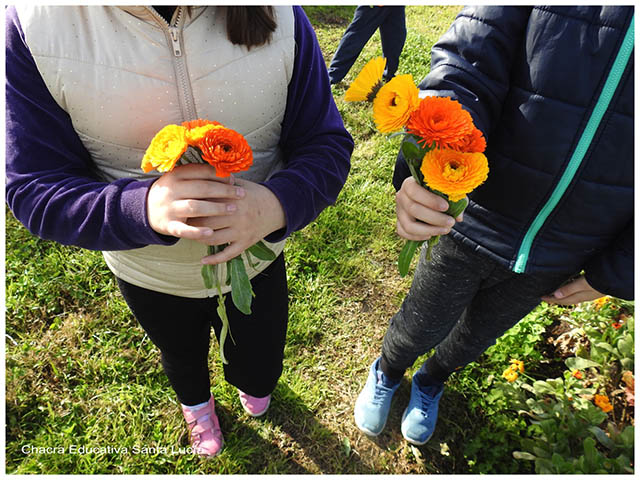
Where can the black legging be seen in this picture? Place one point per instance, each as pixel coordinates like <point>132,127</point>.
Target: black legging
<point>180,328</point>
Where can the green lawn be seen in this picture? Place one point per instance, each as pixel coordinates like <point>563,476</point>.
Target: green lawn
<point>81,374</point>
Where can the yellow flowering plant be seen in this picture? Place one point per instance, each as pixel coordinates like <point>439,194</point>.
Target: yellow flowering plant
<point>441,145</point>
<point>205,141</point>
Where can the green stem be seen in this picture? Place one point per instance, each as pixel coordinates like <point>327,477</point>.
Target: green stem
<point>221,310</point>
<point>432,242</point>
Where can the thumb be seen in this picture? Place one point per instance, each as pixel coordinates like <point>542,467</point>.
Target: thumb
<point>570,288</point>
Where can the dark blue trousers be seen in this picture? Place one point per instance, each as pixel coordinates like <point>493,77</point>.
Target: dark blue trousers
<point>366,20</point>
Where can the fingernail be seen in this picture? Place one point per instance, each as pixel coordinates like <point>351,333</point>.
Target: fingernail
<point>451,222</point>
<point>558,294</point>
<point>231,207</point>
<point>207,232</point>
<point>240,192</point>
<point>444,206</point>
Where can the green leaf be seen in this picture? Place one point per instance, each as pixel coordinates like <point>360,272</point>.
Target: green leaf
<point>627,363</point>
<point>579,363</point>
<point>603,346</point>
<point>208,275</point>
<point>558,462</point>
<point>602,437</point>
<point>406,255</point>
<point>411,151</point>
<point>590,453</point>
<point>542,387</point>
<point>261,251</point>
<point>625,346</point>
<point>249,259</point>
<point>241,291</point>
<point>627,436</point>
<point>523,456</point>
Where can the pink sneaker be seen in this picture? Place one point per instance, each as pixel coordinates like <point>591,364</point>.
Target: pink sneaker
<point>254,406</point>
<point>204,430</point>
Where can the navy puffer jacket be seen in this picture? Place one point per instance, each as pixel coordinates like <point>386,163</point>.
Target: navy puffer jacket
<point>552,90</point>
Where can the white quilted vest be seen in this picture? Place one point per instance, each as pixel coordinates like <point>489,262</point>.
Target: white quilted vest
<point>122,73</point>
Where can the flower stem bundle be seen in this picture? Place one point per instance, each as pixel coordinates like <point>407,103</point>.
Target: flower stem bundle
<point>205,141</point>
<point>441,145</point>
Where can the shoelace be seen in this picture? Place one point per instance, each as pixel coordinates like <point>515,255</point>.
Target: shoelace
<point>426,400</point>
<point>380,394</point>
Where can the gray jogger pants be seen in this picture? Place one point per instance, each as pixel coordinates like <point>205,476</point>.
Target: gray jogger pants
<point>460,303</point>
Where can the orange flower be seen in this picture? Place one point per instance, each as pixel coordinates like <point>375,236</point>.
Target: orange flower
<point>165,149</point>
<point>368,81</point>
<point>226,150</point>
<point>441,122</point>
<point>474,142</point>
<point>196,129</point>
<point>394,103</point>
<point>577,374</point>
<point>616,325</point>
<point>454,173</point>
<point>517,365</point>
<point>602,401</point>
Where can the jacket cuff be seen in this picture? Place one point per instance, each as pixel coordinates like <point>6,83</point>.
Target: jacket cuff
<point>135,221</point>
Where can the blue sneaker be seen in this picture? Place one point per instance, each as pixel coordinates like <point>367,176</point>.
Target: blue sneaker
<point>419,418</point>
<point>373,403</point>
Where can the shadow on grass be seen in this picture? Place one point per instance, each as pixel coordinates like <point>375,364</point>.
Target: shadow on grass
<point>311,446</point>
<point>296,442</point>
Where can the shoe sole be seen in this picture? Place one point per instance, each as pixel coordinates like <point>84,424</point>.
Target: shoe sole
<point>369,432</point>
<point>411,440</point>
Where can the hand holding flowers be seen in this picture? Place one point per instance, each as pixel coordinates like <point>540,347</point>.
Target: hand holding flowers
<point>192,202</point>
<point>256,214</point>
<point>183,194</point>
<point>441,145</point>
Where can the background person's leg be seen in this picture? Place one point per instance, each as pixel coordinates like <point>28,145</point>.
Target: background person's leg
<point>366,21</point>
<point>393,33</point>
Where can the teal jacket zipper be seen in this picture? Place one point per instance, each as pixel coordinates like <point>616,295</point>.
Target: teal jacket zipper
<point>610,86</point>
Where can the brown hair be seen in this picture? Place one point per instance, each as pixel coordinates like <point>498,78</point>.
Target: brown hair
<point>250,26</point>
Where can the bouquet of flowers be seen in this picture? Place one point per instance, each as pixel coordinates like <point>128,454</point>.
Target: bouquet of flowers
<point>205,141</point>
<point>441,145</point>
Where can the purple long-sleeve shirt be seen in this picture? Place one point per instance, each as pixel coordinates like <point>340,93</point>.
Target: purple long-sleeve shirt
<point>51,187</point>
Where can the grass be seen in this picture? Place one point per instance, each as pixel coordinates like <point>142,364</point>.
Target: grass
<point>80,371</point>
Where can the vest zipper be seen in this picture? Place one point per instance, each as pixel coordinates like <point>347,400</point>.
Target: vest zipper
<point>173,34</point>
<point>610,86</point>
<point>175,41</point>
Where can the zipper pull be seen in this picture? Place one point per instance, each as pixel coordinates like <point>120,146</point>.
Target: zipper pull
<point>175,41</point>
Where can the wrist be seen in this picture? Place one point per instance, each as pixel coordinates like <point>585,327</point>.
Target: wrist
<point>271,210</point>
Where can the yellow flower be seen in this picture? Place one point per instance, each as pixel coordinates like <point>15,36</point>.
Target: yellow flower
<point>518,365</point>
<point>165,149</point>
<point>454,173</point>
<point>602,401</point>
<point>394,104</point>
<point>368,81</point>
<point>510,374</point>
<point>598,303</point>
